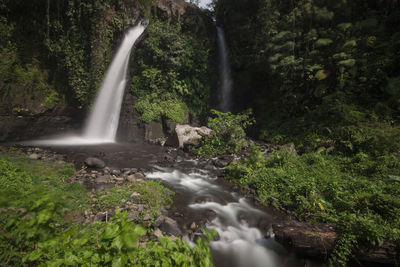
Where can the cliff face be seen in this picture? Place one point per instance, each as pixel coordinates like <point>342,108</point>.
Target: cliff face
<point>54,57</point>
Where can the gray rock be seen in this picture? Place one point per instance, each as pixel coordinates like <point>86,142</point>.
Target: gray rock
<point>157,222</point>
<point>35,156</point>
<point>102,179</point>
<point>95,163</point>
<point>135,177</point>
<point>170,226</point>
<point>116,172</point>
<point>119,179</point>
<point>187,135</point>
<point>134,196</point>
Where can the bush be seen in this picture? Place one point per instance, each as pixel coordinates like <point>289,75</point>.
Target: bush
<point>228,134</point>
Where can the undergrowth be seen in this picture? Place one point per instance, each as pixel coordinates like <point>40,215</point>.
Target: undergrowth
<point>36,202</point>
<point>360,194</point>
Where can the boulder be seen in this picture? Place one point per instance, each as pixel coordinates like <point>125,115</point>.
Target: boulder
<point>187,135</point>
<point>170,226</point>
<point>35,156</point>
<point>95,163</point>
<point>318,240</point>
<point>154,133</point>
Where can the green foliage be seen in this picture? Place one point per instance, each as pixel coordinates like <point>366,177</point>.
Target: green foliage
<point>35,206</point>
<point>357,193</point>
<point>153,108</point>
<point>228,135</point>
<point>297,63</point>
<point>116,243</point>
<point>171,74</point>
<point>151,193</point>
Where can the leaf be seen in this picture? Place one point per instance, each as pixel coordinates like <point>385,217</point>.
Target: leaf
<point>323,42</point>
<point>111,231</point>
<point>321,75</point>
<point>117,243</point>
<point>117,262</point>
<point>347,63</point>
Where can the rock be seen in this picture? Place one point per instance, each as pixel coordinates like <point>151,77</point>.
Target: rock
<point>134,196</point>
<point>101,216</point>
<point>154,133</point>
<point>35,156</point>
<point>146,217</point>
<point>219,163</point>
<point>157,222</point>
<point>135,177</point>
<point>133,215</point>
<point>119,179</point>
<point>157,233</point>
<point>187,135</point>
<point>116,172</point>
<point>170,226</point>
<point>131,178</point>
<point>95,163</point>
<point>102,179</point>
<point>318,240</point>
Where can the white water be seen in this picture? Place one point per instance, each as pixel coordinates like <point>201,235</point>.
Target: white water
<point>102,124</point>
<point>240,243</point>
<point>224,73</point>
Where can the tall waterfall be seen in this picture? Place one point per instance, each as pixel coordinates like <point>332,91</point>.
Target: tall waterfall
<point>102,122</point>
<point>104,118</point>
<point>225,103</point>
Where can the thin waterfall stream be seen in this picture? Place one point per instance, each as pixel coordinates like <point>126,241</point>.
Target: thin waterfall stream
<point>224,73</point>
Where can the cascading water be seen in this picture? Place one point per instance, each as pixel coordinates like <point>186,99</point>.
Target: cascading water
<point>225,73</point>
<point>241,243</point>
<point>102,123</point>
<point>103,120</point>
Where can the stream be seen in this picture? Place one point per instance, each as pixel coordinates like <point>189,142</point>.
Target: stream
<point>204,199</point>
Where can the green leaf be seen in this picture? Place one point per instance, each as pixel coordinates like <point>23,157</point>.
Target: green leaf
<point>111,231</point>
<point>321,75</point>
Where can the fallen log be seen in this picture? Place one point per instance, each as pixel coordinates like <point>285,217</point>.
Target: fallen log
<point>317,240</point>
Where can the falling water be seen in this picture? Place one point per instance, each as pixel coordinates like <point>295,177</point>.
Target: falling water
<point>225,73</point>
<point>104,118</point>
<point>102,123</point>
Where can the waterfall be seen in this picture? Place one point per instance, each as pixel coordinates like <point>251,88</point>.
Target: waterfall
<point>104,118</point>
<point>225,103</point>
<point>102,123</point>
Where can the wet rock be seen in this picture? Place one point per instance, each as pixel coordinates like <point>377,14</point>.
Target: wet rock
<point>170,226</point>
<point>102,179</point>
<point>158,221</point>
<point>101,216</point>
<point>35,156</point>
<point>116,172</point>
<point>220,163</point>
<point>95,163</point>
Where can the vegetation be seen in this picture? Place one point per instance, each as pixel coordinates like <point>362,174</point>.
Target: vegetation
<point>36,203</point>
<point>171,74</point>
<point>228,135</point>
<point>359,194</point>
